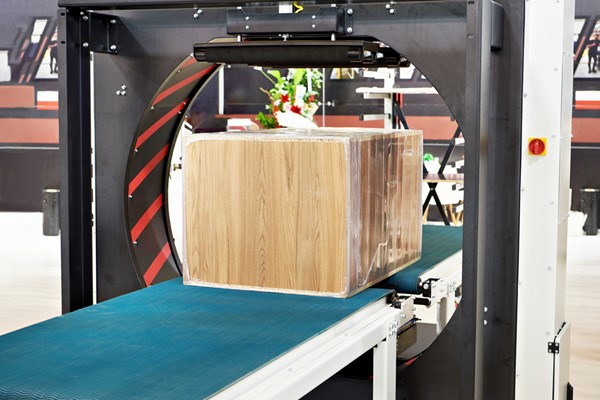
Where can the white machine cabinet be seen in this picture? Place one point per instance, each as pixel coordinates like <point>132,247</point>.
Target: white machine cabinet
<point>542,335</point>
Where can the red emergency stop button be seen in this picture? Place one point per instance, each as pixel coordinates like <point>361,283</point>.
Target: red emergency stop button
<point>537,146</point>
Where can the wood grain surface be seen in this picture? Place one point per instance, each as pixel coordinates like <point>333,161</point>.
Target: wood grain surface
<point>310,215</point>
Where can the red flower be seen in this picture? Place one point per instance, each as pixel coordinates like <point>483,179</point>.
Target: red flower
<point>285,98</point>
<point>296,109</point>
<point>311,98</point>
<point>275,109</point>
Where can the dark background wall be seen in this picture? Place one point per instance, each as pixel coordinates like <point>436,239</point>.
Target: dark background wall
<point>24,173</point>
<point>585,171</point>
<point>28,132</point>
<point>16,15</point>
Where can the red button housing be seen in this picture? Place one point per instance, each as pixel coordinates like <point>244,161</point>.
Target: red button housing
<point>537,146</point>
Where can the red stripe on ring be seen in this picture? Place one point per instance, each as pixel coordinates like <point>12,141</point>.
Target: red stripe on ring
<point>143,174</point>
<point>158,124</point>
<point>146,218</point>
<point>167,92</point>
<point>157,264</point>
<point>188,62</point>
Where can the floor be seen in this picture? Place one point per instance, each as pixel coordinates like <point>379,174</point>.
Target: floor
<point>30,290</point>
<point>29,272</point>
<point>583,311</point>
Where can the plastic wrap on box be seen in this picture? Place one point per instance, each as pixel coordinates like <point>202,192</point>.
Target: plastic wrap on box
<point>323,211</point>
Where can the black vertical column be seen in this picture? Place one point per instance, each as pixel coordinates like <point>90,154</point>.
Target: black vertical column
<point>493,224</point>
<point>476,132</point>
<point>75,163</point>
<point>503,180</point>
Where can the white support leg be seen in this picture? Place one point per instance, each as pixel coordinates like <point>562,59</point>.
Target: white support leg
<point>442,314</point>
<point>302,369</point>
<point>384,365</point>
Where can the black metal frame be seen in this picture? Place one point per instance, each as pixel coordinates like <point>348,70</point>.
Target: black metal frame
<point>468,360</point>
<point>75,176</point>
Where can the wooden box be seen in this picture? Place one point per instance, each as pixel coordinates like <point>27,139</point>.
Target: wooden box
<point>326,211</point>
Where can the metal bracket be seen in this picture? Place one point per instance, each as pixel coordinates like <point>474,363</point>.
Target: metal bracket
<point>326,20</point>
<point>553,347</point>
<point>423,301</point>
<point>497,26</point>
<point>398,301</point>
<point>103,30</point>
<point>427,286</point>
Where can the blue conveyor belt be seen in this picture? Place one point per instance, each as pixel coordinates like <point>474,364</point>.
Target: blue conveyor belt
<point>168,341</point>
<point>439,243</point>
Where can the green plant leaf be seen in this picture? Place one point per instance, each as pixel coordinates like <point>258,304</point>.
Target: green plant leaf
<point>267,122</point>
<point>275,73</point>
<point>298,75</point>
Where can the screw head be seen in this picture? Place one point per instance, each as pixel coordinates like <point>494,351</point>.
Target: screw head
<point>314,26</point>
<point>349,29</point>
<point>350,11</point>
<point>113,47</point>
<point>113,21</point>
<point>85,44</point>
<point>392,11</point>
<point>196,16</point>
<point>85,17</point>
